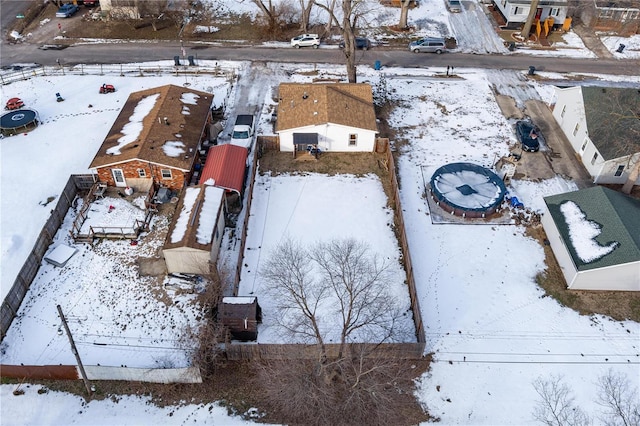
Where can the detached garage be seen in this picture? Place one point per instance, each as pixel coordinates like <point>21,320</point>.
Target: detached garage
<point>195,234</point>
<point>595,236</point>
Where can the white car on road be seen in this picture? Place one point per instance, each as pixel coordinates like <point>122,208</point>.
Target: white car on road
<point>304,40</point>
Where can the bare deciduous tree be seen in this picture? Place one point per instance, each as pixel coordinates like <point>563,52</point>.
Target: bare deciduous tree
<point>337,292</point>
<point>353,11</point>
<point>359,391</point>
<point>556,405</point>
<point>619,400</point>
<point>211,334</point>
<point>617,121</point>
<point>339,285</point>
<point>404,14</point>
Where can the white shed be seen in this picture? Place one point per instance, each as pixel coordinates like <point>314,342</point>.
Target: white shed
<point>594,234</point>
<point>337,117</point>
<point>195,233</point>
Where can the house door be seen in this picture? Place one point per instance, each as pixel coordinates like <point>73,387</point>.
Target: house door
<point>118,177</point>
<point>538,13</point>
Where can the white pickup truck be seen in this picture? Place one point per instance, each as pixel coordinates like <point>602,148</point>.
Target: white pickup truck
<point>242,134</point>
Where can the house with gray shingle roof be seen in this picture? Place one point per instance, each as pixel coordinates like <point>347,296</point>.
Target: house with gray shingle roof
<point>603,126</point>
<point>338,117</point>
<point>595,236</point>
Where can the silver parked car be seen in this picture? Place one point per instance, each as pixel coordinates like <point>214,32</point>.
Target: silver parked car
<point>429,44</point>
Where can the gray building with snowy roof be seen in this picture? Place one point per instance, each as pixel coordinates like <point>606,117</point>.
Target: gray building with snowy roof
<point>595,236</point>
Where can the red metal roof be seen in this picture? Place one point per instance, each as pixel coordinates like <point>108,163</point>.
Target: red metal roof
<point>225,165</point>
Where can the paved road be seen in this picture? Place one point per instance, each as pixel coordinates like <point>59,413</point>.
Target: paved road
<point>141,52</point>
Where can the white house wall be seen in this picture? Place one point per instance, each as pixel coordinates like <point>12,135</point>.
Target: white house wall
<point>517,11</point>
<point>619,277</point>
<point>569,111</point>
<point>608,170</point>
<point>186,260</point>
<point>560,250</point>
<point>218,232</point>
<point>331,137</point>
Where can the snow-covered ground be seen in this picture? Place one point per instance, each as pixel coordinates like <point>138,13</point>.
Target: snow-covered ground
<point>481,306</point>
<point>313,208</point>
<point>491,330</point>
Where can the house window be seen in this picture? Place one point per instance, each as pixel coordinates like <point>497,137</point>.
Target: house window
<point>575,129</point>
<point>517,10</point>
<point>504,3</point>
<point>564,109</point>
<point>554,11</point>
<point>353,139</point>
<point>619,171</point>
<point>595,157</point>
<point>166,173</point>
<point>584,145</point>
<point>142,173</point>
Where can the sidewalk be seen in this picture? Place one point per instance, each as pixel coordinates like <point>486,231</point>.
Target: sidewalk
<point>592,42</point>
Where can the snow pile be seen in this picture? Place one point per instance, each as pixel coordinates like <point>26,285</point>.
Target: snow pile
<point>189,200</point>
<point>132,129</point>
<point>582,233</point>
<point>173,148</point>
<point>209,214</point>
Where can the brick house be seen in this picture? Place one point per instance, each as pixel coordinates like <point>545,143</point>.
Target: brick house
<point>155,139</point>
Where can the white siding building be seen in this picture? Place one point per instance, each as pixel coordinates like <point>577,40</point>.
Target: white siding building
<point>516,11</point>
<point>602,126</point>
<point>331,117</point>
<point>594,234</point>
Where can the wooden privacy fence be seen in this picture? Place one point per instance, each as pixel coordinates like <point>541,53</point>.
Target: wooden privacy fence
<point>13,300</point>
<point>245,223</point>
<point>244,351</point>
<point>404,247</point>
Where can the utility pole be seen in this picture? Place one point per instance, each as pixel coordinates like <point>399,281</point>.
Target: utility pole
<point>75,351</point>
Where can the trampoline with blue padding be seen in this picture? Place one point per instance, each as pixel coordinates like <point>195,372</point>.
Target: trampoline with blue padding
<point>18,121</point>
<point>467,190</point>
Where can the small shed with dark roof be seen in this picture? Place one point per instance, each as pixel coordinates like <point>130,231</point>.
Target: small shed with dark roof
<point>595,236</point>
<point>338,117</point>
<point>155,139</point>
<point>241,315</point>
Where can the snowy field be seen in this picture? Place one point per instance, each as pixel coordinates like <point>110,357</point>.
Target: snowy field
<point>313,208</point>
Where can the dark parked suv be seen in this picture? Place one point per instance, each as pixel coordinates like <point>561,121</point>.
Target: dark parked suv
<point>528,135</point>
<point>361,43</point>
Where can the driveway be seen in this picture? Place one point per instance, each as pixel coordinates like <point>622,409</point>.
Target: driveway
<point>556,156</point>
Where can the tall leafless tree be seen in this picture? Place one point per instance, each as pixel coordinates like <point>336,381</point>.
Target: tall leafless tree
<point>337,293</point>
<point>556,405</point>
<point>339,286</point>
<point>404,14</point>
<point>353,12</point>
<point>617,121</point>
<point>620,401</point>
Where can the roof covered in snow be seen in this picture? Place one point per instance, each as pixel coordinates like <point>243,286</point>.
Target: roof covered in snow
<point>599,226</point>
<point>195,219</point>
<point>311,104</point>
<point>162,126</point>
<point>225,167</point>
<point>612,120</point>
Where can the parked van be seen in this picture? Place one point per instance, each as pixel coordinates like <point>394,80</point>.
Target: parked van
<point>454,6</point>
<point>429,44</point>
